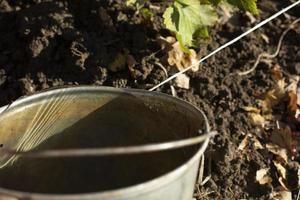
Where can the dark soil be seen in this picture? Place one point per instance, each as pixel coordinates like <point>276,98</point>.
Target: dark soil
<point>45,44</point>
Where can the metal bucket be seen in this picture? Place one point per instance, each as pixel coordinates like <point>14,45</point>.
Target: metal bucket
<point>100,117</point>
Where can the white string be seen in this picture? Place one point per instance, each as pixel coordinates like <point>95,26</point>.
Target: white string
<point>227,44</point>
<point>267,55</point>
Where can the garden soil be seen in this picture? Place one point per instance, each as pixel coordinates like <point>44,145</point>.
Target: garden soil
<point>48,44</point>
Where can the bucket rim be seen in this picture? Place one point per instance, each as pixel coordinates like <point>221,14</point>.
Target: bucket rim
<point>129,191</point>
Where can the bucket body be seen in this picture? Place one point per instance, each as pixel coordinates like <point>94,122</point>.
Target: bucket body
<point>93,117</point>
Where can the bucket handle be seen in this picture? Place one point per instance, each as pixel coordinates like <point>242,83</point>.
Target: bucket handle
<point>110,151</point>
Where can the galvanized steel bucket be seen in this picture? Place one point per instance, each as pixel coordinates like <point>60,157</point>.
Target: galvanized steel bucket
<point>100,143</point>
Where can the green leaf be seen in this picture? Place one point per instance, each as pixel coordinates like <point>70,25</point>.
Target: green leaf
<point>138,4</point>
<point>131,2</point>
<point>184,48</point>
<point>201,36</point>
<point>248,5</point>
<point>185,17</point>
<point>202,33</point>
<point>171,18</point>
<point>147,13</point>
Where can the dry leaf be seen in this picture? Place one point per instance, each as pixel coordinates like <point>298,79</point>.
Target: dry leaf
<point>181,59</point>
<point>262,177</point>
<point>182,81</point>
<point>282,174</point>
<point>273,97</point>
<point>277,150</point>
<point>293,84</point>
<point>281,170</point>
<point>166,43</point>
<point>298,96</point>
<point>244,143</point>
<point>276,72</point>
<point>292,106</point>
<point>285,139</point>
<point>279,89</point>
<point>251,109</point>
<point>176,56</point>
<point>297,115</point>
<point>281,194</point>
<point>258,119</point>
<point>293,97</point>
<point>257,144</point>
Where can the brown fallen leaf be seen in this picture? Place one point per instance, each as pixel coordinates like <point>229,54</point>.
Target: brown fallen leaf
<point>293,84</point>
<point>258,119</point>
<point>293,98</point>
<point>285,138</point>
<point>181,59</point>
<point>247,139</point>
<point>263,115</point>
<point>297,115</point>
<point>257,144</point>
<point>276,72</point>
<point>292,103</point>
<point>255,116</point>
<point>282,174</point>
<point>298,96</point>
<point>281,194</point>
<point>273,97</point>
<point>251,109</point>
<point>277,150</point>
<point>262,177</point>
<point>166,42</point>
<point>244,143</point>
